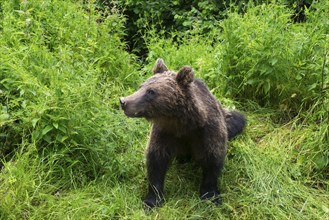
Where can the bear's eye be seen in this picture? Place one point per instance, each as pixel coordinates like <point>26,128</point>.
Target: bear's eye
<point>150,92</point>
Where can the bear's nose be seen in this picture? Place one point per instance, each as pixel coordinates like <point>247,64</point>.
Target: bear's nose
<point>122,102</point>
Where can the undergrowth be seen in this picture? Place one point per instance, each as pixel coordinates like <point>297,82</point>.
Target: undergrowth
<point>68,152</point>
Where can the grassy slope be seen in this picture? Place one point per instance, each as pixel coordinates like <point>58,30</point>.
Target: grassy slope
<point>263,177</point>
<point>259,181</point>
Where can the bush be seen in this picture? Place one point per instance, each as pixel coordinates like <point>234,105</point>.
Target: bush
<point>266,58</point>
<point>167,16</point>
<point>59,87</point>
<point>275,63</point>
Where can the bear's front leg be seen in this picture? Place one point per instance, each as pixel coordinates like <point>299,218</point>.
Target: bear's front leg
<point>161,149</point>
<point>211,167</point>
<point>157,165</point>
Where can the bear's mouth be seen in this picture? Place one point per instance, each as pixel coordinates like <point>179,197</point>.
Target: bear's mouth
<point>134,114</point>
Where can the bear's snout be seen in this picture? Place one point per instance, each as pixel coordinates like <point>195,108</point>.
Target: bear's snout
<point>131,106</point>
<point>122,102</point>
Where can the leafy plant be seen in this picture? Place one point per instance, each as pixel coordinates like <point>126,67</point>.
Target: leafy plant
<point>270,60</point>
<point>58,63</point>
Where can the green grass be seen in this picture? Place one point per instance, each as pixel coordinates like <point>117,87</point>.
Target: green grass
<point>261,179</point>
<point>68,152</point>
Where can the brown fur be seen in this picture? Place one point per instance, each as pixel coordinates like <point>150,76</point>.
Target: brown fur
<point>187,120</point>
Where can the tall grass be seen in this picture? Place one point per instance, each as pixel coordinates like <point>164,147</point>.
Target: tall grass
<point>269,59</point>
<point>60,66</point>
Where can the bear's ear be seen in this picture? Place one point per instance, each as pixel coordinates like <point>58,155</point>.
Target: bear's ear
<point>185,76</point>
<point>159,66</point>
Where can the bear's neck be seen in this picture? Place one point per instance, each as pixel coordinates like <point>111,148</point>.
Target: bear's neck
<point>188,115</point>
<point>172,126</point>
<point>181,123</point>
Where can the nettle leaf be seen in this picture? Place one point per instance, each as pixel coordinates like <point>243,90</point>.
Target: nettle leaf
<point>298,77</point>
<point>47,138</point>
<point>321,161</point>
<point>47,129</point>
<point>34,121</point>
<point>64,138</point>
<point>274,61</point>
<point>60,138</point>
<point>251,82</point>
<point>3,118</point>
<point>55,124</point>
<point>62,128</point>
<point>267,87</point>
<point>312,86</point>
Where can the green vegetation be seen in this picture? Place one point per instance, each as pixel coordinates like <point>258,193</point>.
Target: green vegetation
<point>68,152</point>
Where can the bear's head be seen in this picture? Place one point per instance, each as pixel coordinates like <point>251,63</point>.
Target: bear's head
<point>164,95</point>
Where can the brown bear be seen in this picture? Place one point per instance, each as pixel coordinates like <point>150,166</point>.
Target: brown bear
<point>187,120</point>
